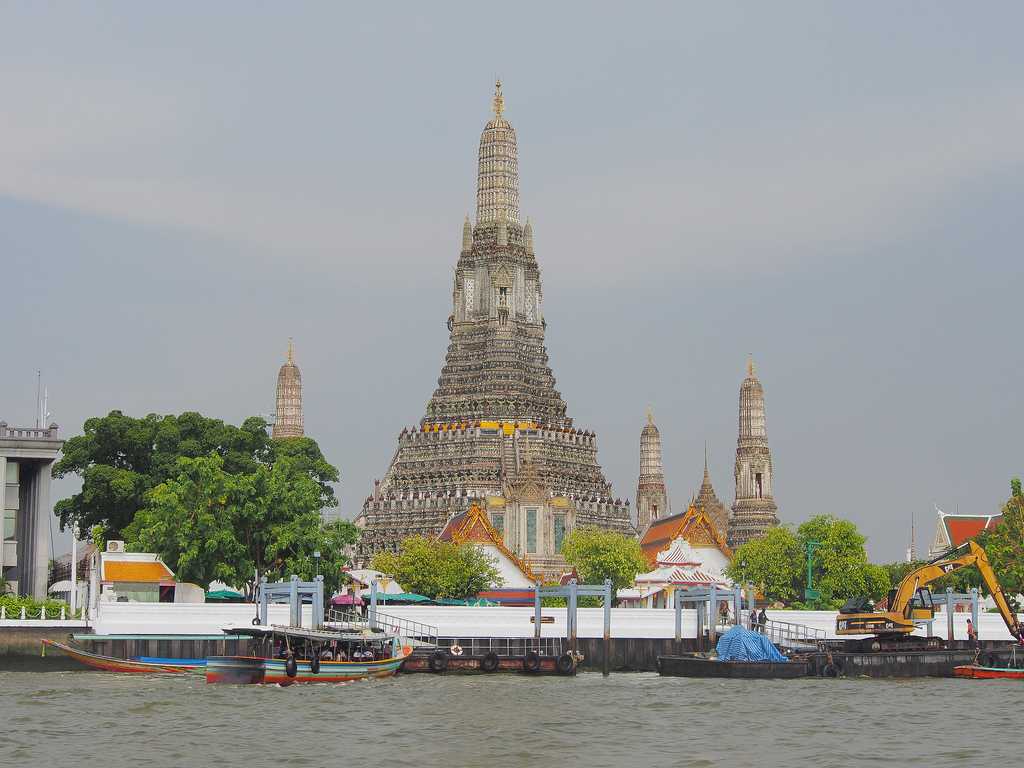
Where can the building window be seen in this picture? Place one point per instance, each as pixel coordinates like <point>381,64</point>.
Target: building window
<point>757,484</point>
<point>559,532</point>
<point>531,531</point>
<point>498,521</point>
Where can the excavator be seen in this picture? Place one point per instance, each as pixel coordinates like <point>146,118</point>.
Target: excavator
<point>911,601</point>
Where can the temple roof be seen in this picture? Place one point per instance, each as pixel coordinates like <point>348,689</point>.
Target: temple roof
<point>952,530</point>
<point>693,525</point>
<point>474,526</point>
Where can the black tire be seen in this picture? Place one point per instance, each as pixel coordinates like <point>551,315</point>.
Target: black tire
<point>565,664</point>
<point>531,661</point>
<point>830,670</point>
<point>490,662</point>
<point>291,667</point>
<point>314,665</point>
<point>438,661</point>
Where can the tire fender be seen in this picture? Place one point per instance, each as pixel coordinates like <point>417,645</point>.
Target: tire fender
<point>531,661</point>
<point>490,662</point>
<point>438,661</point>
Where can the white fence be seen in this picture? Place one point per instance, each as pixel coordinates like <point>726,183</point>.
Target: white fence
<point>182,618</point>
<point>639,622</point>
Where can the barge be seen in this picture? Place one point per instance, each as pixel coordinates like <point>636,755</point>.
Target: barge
<point>487,655</point>
<point>696,665</point>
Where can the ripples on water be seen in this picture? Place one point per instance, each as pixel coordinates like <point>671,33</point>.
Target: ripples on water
<point>71,718</point>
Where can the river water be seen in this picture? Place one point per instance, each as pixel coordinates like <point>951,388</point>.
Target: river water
<point>109,720</point>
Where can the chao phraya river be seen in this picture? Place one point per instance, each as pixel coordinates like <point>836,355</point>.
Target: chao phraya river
<point>83,718</point>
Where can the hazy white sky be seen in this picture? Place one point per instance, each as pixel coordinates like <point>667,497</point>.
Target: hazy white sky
<point>835,188</point>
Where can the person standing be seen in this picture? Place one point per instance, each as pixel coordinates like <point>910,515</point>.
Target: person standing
<point>972,634</point>
<point>762,620</point>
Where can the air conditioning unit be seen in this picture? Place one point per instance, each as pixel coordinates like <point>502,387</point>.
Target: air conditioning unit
<point>115,546</point>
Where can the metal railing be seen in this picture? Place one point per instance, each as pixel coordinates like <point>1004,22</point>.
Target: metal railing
<point>406,629</point>
<point>781,632</point>
<point>505,647</point>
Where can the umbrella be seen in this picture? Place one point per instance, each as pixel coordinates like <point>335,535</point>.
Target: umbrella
<point>225,596</point>
<point>347,600</point>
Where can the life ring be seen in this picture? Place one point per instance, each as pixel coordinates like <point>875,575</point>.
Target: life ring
<point>314,665</point>
<point>455,650</point>
<point>531,661</point>
<point>565,664</point>
<point>406,651</point>
<point>490,662</point>
<point>438,661</point>
<point>291,667</point>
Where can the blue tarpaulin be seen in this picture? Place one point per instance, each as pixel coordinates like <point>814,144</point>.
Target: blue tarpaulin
<point>740,644</point>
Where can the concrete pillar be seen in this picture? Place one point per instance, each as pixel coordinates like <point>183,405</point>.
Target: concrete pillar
<point>42,516</point>
<point>677,597</point>
<point>606,664</point>
<point>294,604</point>
<point>3,509</point>
<point>713,616</point>
<point>949,614</point>
<point>536,613</point>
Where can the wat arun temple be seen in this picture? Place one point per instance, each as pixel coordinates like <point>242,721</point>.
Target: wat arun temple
<point>496,431</point>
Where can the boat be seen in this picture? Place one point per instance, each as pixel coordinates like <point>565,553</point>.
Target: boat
<point>978,672</point>
<point>139,665</point>
<point>287,655</point>
<point>702,666</point>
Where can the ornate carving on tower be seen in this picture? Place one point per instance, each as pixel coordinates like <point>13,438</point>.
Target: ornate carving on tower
<point>754,510</point>
<point>651,493</point>
<point>706,499</point>
<point>496,391</point>
<point>288,420</point>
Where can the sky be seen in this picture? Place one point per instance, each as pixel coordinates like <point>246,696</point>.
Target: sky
<point>833,188</point>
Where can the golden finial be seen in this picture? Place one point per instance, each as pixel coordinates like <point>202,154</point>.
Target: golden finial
<point>499,101</point>
<point>290,351</point>
<point>750,366</point>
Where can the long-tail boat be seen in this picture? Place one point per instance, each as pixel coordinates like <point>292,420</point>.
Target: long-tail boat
<point>289,655</point>
<point>140,665</point>
<point>994,665</point>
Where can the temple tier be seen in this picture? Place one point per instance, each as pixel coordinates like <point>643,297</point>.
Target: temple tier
<point>496,429</point>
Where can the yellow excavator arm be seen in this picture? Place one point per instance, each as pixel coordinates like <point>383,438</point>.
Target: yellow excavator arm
<point>902,610</point>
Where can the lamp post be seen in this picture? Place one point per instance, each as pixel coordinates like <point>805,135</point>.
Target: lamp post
<point>316,558</point>
<point>810,593</point>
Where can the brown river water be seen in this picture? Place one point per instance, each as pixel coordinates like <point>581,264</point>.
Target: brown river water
<point>95,718</point>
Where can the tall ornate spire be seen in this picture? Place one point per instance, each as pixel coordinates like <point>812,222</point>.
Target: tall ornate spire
<point>288,421</point>
<point>651,492</point>
<point>706,499</point>
<point>754,510</point>
<point>497,188</point>
<point>467,235</point>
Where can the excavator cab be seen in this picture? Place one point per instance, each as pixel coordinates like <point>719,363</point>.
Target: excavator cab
<point>921,607</point>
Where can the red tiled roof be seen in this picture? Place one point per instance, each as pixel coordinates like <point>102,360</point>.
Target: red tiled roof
<point>960,528</point>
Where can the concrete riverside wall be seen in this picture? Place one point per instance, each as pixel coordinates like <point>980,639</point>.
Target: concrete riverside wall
<point>182,618</point>
<point>21,646</point>
<point>638,622</point>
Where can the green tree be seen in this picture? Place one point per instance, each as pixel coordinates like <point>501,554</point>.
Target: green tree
<point>210,524</point>
<point>773,563</point>
<point>121,459</point>
<point>841,567</point>
<point>597,555</point>
<point>439,568</point>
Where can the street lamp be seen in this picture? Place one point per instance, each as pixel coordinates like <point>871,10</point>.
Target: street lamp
<point>316,557</point>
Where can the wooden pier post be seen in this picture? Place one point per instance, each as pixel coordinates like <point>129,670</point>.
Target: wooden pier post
<point>974,607</point>
<point>678,605</point>
<point>536,613</point>
<point>606,662</point>
<point>949,615</point>
<point>572,615</point>
<point>713,616</point>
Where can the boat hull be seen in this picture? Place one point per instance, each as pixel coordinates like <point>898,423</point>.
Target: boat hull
<point>697,666</point>
<point>249,670</point>
<point>111,664</point>
<point>976,672</point>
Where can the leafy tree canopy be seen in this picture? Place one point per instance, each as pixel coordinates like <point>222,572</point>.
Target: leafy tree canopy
<point>121,459</point>
<point>777,563</point>
<point>773,563</point>
<point>211,524</point>
<point>1004,543</point>
<point>598,555</point>
<point>439,568</point>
